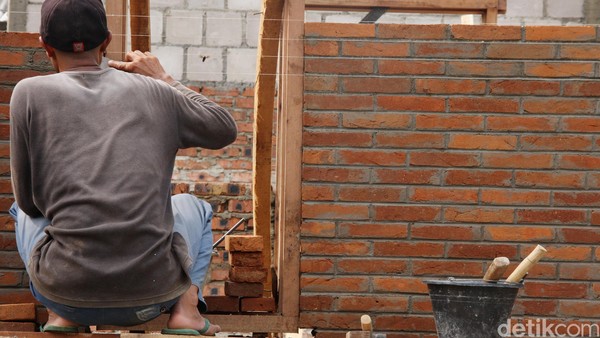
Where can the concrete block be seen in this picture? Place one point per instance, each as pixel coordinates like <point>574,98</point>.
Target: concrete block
<point>241,65</point>
<point>17,312</point>
<point>244,243</point>
<point>206,4</point>
<point>34,18</point>
<point>170,57</point>
<point>184,27</point>
<point>253,5</point>
<point>565,9</point>
<point>258,305</point>
<point>242,274</point>
<point>344,17</point>
<point>223,29</point>
<point>245,258</point>
<point>528,8</point>
<point>222,303</point>
<point>156,26</point>
<point>252,29</point>
<point>244,289</point>
<point>167,3</point>
<point>205,64</point>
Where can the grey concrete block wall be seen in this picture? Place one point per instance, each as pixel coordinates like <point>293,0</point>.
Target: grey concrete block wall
<point>214,41</point>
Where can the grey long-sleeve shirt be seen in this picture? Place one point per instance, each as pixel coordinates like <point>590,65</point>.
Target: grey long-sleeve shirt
<point>93,151</point>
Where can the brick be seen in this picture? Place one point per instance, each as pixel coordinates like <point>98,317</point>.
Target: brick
<point>321,48</point>
<point>552,216</point>
<point>339,30</point>
<point>335,248</point>
<point>361,266</point>
<point>483,68</point>
<point>559,70</point>
<point>522,123</point>
<point>323,320</point>
<point>487,142</point>
<point>371,194</point>
<point>316,302</point>
<point>399,284</point>
<point>579,52</point>
<point>336,139</point>
<point>371,120</point>
<point>339,66</point>
<point>581,124</point>
<point>447,268</point>
<point>535,307</point>
<point>222,304</point>
<point>554,290</point>
<point>373,303</point>
<point>406,323</point>
<point>579,235</point>
<point>10,259</point>
<point>520,51</point>
<point>514,197</point>
<point>447,86</point>
<point>421,305</point>
<point>484,105</point>
<point>317,193</point>
<point>484,32</point>
<point>234,289</point>
<point>17,312</point>
<point>376,85</point>
<point>559,106</point>
<point>11,278</point>
<point>460,177</point>
<point>406,176</point>
<point>556,142</point>
<point>258,305</point>
<point>12,58</point>
<point>455,50</point>
<point>372,157</point>
<point>583,272</point>
<point>576,199</point>
<point>447,122</point>
<point>519,233</point>
<point>408,249</point>
<point>412,32</point>
<point>244,243</point>
<point>315,83</point>
<point>316,265</point>
<point>444,159</point>
<point>443,195</point>
<point>525,87</point>
<point>517,161</point>
<point>317,229</point>
<point>338,102</point>
<point>410,140</point>
<point>22,40</point>
<point>578,161</point>
<point>375,49</point>
<point>569,34</point>
<point>478,215</point>
<point>373,230</point>
<point>320,119</point>
<point>400,67</point>
<point>239,258</point>
<point>483,251</point>
<point>445,232</point>
<point>338,284</point>
<point>335,211</point>
<point>243,274</point>
<point>18,326</point>
<point>315,174</point>
<point>579,309</point>
<point>406,213</point>
<point>411,103</point>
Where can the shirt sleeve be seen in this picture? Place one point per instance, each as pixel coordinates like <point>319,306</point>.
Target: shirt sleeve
<point>20,164</point>
<point>201,122</point>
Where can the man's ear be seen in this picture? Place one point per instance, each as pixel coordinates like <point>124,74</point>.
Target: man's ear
<point>106,42</point>
<point>49,49</point>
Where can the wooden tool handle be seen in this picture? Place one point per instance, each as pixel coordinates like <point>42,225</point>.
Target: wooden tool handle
<point>526,264</point>
<point>496,269</point>
<point>366,323</point>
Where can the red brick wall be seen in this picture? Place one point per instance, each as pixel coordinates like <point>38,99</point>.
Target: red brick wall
<point>222,177</point>
<point>430,150</point>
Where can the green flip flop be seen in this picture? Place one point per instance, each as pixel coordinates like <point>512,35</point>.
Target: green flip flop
<point>188,332</point>
<point>59,329</point>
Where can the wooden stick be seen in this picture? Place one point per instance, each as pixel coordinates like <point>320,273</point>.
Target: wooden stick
<point>526,264</point>
<point>140,25</point>
<point>496,269</point>
<point>366,323</point>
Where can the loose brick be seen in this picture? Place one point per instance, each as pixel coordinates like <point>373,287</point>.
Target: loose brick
<point>244,243</point>
<point>258,305</point>
<point>222,304</point>
<point>17,312</point>
<point>240,258</point>
<point>242,274</point>
<point>234,289</point>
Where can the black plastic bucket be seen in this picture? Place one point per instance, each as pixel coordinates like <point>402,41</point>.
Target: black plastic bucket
<point>468,308</point>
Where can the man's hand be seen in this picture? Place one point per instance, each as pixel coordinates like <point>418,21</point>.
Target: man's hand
<point>142,63</point>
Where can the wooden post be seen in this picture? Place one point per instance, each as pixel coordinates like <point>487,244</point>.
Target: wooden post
<point>289,157</point>
<point>264,103</point>
<point>116,15</point>
<point>140,25</point>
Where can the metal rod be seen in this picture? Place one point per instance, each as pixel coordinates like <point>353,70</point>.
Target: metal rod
<point>228,232</point>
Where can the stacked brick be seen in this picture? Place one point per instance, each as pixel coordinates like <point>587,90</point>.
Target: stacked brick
<point>18,317</point>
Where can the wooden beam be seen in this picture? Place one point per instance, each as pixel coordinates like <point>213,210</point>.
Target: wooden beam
<point>427,6</point>
<point>264,103</point>
<point>289,158</point>
<point>490,16</point>
<point>116,15</point>
<point>140,25</point>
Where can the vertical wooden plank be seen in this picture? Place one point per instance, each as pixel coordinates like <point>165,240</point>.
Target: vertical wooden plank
<point>140,25</point>
<point>289,157</point>
<point>116,15</point>
<point>490,16</point>
<point>264,103</point>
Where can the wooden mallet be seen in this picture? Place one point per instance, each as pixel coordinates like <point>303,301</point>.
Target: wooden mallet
<point>529,261</point>
<point>496,269</point>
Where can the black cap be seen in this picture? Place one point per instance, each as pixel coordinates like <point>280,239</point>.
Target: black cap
<point>73,25</point>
